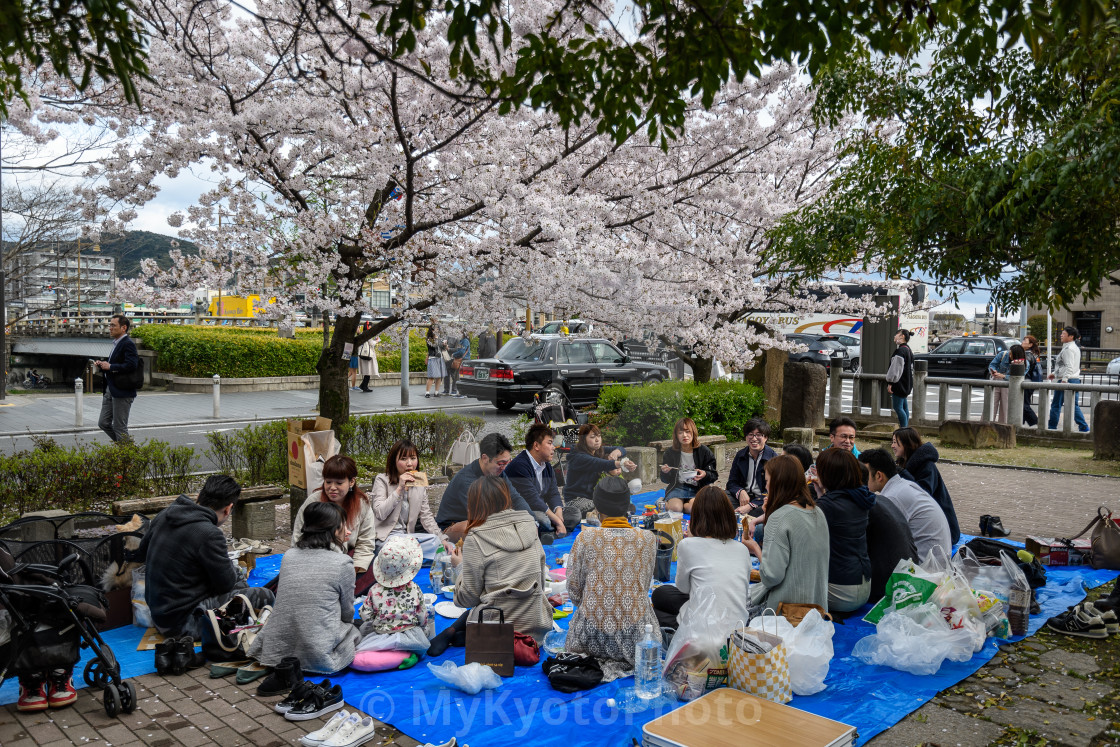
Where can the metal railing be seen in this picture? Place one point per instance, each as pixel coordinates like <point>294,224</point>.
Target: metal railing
<point>98,324</point>
<point>1016,383</point>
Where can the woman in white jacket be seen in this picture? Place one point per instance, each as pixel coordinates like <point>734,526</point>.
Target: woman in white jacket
<point>400,498</point>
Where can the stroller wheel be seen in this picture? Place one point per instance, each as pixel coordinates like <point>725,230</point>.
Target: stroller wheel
<point>94,674</point>
<point>112,701</point>
<point>128,697</point>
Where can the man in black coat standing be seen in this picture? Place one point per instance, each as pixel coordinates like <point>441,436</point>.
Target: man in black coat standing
<point>118,371</point>
<point>901,387</point>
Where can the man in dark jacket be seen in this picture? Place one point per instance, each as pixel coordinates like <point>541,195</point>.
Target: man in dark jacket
<point>901,387</point>
<point>532,474</point>
<point>188,565</point>
<point>493,457</point>
<point>119,395</point>
<point>747,481</point>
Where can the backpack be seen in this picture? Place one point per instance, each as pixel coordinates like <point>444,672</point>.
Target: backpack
<point>1034,370</point>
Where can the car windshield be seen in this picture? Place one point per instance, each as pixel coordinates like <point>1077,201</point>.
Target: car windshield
<point>519,349</point>
<point>552,328</point>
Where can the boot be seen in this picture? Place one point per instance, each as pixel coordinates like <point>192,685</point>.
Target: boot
<point>995,527</point>
<point>365,384</point>
<point>184,656</point>
<point>984,525</point>
<point>165,652</point>
<point>283,678</point>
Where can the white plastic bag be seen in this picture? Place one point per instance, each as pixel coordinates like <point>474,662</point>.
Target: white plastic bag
<point>697,658</point>
<point>959,607</point>
<point>902,643</point>
<point>471,678</point>
<point>141,615</point>
<point>808,648</point>
<point>410,639</point>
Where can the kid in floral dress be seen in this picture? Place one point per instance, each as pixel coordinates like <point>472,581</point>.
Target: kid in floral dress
<point>394,613</point>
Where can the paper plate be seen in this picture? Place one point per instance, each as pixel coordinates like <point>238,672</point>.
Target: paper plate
<point>448,609</point>
<point>430,598</point>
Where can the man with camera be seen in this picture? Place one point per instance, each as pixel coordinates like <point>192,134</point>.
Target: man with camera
<point>121,372</point>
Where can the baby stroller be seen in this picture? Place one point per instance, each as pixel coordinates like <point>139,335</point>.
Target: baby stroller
<point>556,411</point>
<point>51,619</point>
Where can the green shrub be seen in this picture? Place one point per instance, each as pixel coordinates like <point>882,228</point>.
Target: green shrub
<point>638,415</point>
<point>255,454</point>
<point>89,477</point>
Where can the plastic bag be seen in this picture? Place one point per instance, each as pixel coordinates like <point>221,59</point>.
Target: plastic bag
<point>696,662</point>
<point>471,678</point>
<point>808,649</point>
<point>902,643</point>
<point>141,615</point>
<point>959,607</point>
<point>410,639</point>
<point>909,583</point>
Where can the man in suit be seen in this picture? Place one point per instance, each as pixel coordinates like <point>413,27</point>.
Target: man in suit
<point>123,361</point>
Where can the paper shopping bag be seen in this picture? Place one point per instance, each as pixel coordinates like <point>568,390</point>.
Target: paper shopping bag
<point>763,674</point>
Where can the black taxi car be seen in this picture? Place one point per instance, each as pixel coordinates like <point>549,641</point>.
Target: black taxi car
<point>965,357</point>
<point>575,368</point>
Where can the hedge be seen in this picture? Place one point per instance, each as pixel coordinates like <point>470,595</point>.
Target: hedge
<point>249,352</point>
<point>638,415</point>
<point>89,477</point>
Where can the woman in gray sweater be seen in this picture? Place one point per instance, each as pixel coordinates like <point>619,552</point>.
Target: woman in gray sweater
<point>793,562</point>
<point>313,619</point>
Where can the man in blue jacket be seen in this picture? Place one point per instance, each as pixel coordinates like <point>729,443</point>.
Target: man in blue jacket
<point>532,474</point>
<point>747,481</point>
<point>119,394</point>
<point>493,460</point>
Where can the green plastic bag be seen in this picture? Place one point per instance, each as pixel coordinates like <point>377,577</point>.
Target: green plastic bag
<point>908,584</point>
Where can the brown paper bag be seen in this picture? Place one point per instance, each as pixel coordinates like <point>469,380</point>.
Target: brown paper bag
<point>489,642</point>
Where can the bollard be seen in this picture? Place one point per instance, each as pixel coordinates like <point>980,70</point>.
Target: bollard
<point>921,370</point>
<point>966,402</point>
<point>217,395</point>
<point>79,414</point>
<point>835,390</point>
<point>1014,412</point>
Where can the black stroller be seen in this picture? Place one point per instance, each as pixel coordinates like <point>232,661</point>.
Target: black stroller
<point>53,618</point>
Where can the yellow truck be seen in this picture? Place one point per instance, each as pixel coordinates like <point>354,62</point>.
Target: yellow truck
<point>238,305</point>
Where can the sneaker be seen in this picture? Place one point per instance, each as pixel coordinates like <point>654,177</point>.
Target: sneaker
<point>353,733</point>
<point>427,395</point>
<point>316,738</point>
<point>299,692</point>
<point>62,692</point>
<point>33,694</point>
<point>1077,622</point>
<point>318,701</point>
<point>1108,617</point>
<point>450,743</point>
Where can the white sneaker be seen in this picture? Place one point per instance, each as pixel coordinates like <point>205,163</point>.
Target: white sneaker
<point>317,738</point>
<point>445,744</point>
<point>353,733</point>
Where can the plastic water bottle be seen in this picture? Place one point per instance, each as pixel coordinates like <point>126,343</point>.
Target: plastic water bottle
<point>647,666</point>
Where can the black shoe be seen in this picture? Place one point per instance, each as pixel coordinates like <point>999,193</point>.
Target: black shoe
<point>318,701</point>
<point>282,679</point>
<point>1077,622</point>
<point>984,525</point>
<point>547,538</point>
<point>995,528</point>
<point>165,651</point>
<point>184,656</point>
<point>298,693</point>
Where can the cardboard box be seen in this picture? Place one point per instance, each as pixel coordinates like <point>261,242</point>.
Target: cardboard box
<point>298,456</point>
<point>1054,552</point>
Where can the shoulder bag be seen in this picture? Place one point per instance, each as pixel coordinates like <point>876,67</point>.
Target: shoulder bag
<point>894,373</point>
<point>229,630</point>
<point>464,449</point>
<point>1104,541</point>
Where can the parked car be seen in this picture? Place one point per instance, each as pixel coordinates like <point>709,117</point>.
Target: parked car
<point>824,352</point>
<point>556,367</point>
<point>966,357</point>
<point>648,348</point>
<point>575,327</point>
<point>1113,368</point>
<point>851,343</point>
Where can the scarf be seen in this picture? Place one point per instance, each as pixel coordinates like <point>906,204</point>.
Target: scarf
<point>616,522</point>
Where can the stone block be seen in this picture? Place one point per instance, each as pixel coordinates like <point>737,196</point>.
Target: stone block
<point>646,459</point>
<point>768,373</point>
<point>803,395</point>
<point>38,531</point>
<point>804,436</point>
<point>725,455</point>
<point>977,435</point>
<point>254,520</point>
<point>296,497</point>
<point>1106,430</point>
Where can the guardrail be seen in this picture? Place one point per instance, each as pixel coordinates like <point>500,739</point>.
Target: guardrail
<point>99,325</point>
<point>1016,383</point>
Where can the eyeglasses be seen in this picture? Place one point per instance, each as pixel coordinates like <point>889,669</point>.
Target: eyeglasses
<point>755,437</point>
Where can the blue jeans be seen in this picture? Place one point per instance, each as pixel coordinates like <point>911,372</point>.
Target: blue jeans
<point>899,405</point>
<point>1056,410</point>
<point>685,492</point>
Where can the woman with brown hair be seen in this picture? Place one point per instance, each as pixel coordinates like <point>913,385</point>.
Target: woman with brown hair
<point>501,564</point>
<point>587,463</point>
<point>918,462</point>
<point>688,466</point>
<point>340,486</point>
<point>793,562</point>
<point>709,561</point>
<point>400,499</point>
<point>846,503</point>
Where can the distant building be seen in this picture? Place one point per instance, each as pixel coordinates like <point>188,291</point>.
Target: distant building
<point>1098,320</point>
<point>45,279</point>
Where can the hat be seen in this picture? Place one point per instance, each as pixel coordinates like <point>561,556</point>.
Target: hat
<point>612,497</point>
<point>399,560</point>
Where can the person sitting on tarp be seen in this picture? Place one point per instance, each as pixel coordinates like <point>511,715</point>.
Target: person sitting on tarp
<point>340,486</point>
<point>532,475</point>
<point>494,455</point>
<point>587,463</point>
<point>609,570</point>
<point>188,565</point>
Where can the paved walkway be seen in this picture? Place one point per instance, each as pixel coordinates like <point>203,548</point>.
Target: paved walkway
<point>54,413</point>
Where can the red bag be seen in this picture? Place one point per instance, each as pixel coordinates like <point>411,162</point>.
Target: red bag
<point>526,652</point>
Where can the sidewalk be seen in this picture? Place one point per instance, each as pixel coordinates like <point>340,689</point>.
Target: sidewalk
<point>54,413</point>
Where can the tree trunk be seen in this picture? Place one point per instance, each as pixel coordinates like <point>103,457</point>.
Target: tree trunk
<point>701,369</point>
<point>334,388</point>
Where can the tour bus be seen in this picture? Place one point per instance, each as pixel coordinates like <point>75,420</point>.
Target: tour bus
<point>916,321</point>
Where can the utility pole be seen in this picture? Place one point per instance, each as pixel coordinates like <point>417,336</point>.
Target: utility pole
<point>79,280</point>
<point>404,341</point>
<point>218,308</point>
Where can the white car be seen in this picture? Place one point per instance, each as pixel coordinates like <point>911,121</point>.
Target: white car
<point>1113,367</point>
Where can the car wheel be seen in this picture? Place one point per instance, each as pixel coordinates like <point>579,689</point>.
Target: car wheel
<point>503,405</point>
<point>855,364</point>
<point>651,380</point>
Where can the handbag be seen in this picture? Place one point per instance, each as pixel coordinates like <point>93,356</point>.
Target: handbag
<point>491,643</point>
<point>445,355</point>
<point>464,449</point>
<point>1104,541</point>
<point>229,630</point>
<point>662,564</point>
<point>570,673</point>
<point>894,373</point>
<point>765,674</point>
<point>795,612</point>
<point>526,651</point>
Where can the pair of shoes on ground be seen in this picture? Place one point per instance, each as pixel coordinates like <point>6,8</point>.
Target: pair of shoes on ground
<point>992,526</point>
<point>246,670</point>
<point>343,730</point>
<point>1085,620</point>
<point>176,655</point>
<point>308,700</point>
<point>38,693</point>
<point>257,547</point>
